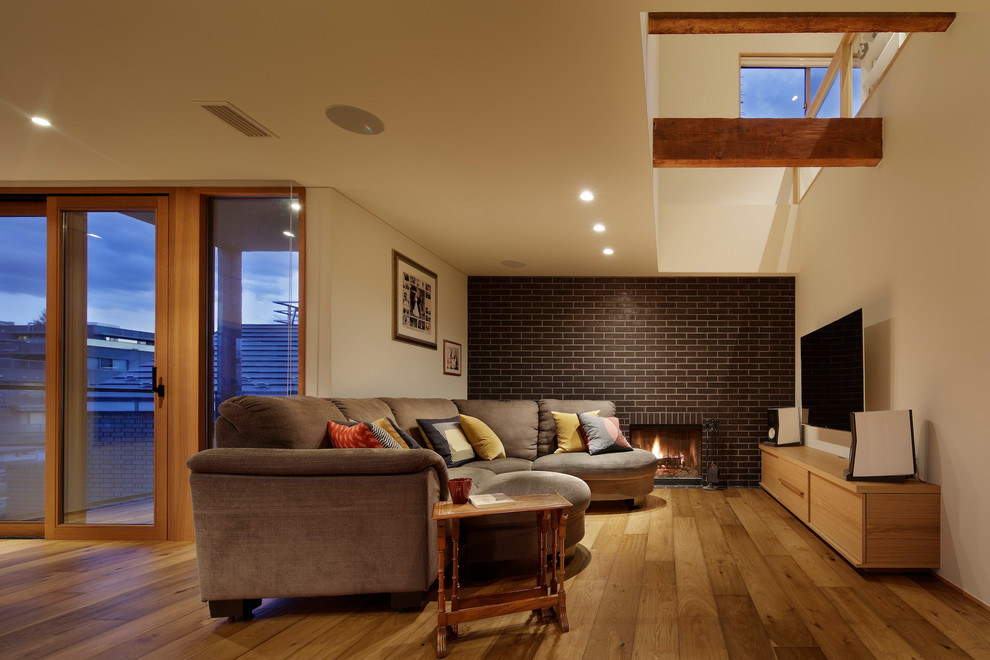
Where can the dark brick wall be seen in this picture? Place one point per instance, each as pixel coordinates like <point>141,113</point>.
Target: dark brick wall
<point>716,346</point>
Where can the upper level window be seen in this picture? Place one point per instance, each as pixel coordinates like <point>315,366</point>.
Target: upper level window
<point>784,86</point>
<point>781,86</point>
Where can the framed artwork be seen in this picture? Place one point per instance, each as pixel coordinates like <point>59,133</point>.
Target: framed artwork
<point>414,302</point>
<point>451,358</point>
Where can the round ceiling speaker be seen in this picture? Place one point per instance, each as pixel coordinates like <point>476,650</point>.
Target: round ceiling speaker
<point>355,120</point>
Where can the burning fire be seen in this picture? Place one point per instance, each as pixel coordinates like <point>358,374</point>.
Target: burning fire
<point>672,461</point>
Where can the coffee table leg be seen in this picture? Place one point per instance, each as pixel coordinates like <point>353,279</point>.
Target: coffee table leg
<point>561,596</point>
<point>543,548</point>
<point>455,541</point>
<point>441,597</point>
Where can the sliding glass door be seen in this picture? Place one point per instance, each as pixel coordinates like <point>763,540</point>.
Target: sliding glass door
<point>22,367</point>
<point>108,408</point>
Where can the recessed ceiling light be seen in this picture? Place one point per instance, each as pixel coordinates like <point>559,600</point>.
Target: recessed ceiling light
<point>608,251</point>
<point>586,195</point>
<point>512,263</point>
<point>599,227</point>
<point>355,120</point>
<point>288,233</point>
<point>41,121</point>
<point>295,205</point>
<point>794,98</point>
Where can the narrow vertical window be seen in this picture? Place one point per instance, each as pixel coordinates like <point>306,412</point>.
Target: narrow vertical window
<point>255,272</point>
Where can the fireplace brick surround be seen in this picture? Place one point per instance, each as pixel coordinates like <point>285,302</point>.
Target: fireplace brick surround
<point>659,347</point>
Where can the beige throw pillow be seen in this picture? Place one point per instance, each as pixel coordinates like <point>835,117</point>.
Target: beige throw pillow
<point>568,436</point>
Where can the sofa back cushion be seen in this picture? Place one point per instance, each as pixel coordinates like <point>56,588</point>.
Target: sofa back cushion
<point>516,423</point>
<point>405,412</point>
<point>548,429</point>
<point>276,422</point>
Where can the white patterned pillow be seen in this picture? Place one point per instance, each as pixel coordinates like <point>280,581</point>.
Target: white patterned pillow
<point>386,440</point>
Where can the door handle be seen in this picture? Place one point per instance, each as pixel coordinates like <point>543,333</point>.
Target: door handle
<point>156,386</point>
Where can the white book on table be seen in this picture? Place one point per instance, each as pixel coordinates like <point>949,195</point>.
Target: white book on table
<point>490,499</point>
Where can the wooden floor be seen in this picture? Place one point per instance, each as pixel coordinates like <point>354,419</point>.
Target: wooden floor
<point>693,574</point>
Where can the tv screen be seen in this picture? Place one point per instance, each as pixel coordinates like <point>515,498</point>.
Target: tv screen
<point>832,372</point>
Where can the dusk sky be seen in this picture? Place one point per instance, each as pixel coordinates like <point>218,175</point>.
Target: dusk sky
<point>769,92</point>
<point>121,273</point>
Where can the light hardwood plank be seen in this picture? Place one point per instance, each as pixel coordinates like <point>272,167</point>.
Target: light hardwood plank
<point>834,635</point>
<point>742,630</point>
<point>122,600</point>
<point>614,628</point>
<point>973,640</point>
<point>701,637</point>
<point>881,640</point>
<point>783,624</point>
<point>722,571</point>
<point>656,620</point>
<point>694,589</point>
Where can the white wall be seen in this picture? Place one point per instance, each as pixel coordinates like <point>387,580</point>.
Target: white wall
<point>718,220</point>
<point>349,346</point>
<point>909,242</point>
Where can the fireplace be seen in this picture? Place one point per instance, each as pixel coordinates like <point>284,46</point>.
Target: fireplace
<point>677,448</point>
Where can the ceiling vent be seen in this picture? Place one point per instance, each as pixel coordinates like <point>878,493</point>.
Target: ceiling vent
<point>232,115</point>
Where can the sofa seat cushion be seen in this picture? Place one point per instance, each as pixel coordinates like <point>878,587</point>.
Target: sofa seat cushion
<point>637,462</point>
<point>502,465</point>
<point>513,536</point>
<point>573,490</point>
<point>276,422</point>
<point>480,478</point>
<point>516,423</point>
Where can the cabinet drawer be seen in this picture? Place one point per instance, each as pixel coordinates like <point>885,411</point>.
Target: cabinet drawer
<point>788,483</point>
<point>837,514</point>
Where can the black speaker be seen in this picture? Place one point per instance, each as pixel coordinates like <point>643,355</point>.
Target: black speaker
<point>784,426</point>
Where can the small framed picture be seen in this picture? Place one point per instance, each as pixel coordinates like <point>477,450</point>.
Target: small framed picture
<point>451,358</point>
<point>414,302</point>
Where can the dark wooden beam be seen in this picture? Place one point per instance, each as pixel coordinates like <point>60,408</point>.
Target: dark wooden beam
<point>797,22</point>
<point>767,142</point>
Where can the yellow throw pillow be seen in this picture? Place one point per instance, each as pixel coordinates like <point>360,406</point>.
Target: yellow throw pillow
<point>568,436</point>
<point>386,424</point>
<point>486,444</point>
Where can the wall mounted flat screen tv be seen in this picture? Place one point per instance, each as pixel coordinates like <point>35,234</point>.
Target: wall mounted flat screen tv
<point>832,385</point>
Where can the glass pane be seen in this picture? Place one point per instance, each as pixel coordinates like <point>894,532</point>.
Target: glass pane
<point>830,106</point>
<point>109,352</point>
<point>771,93</point>
<point>22,368</point>
<point>255,293</point>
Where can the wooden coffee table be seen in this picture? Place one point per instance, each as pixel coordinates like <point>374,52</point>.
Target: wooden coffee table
<point>546,597</point>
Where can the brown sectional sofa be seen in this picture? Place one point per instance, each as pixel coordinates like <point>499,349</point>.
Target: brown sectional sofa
<point>276,515</point>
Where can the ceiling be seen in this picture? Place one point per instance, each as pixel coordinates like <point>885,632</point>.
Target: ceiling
<point>497,115</point>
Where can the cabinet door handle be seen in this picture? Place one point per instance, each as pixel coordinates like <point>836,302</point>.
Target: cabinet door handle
<point>794,489</point>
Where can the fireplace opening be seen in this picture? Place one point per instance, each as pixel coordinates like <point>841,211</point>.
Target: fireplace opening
<point>677,448</point>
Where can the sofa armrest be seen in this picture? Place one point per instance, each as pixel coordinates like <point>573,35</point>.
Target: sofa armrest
<point>286,462</point>
<point>274,523</point>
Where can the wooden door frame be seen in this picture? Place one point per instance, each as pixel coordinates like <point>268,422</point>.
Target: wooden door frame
<point>55,368</point>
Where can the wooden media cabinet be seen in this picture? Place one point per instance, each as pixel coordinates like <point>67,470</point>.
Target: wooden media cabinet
<point>872,524</point>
